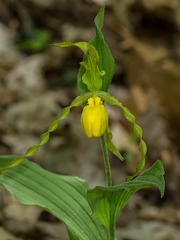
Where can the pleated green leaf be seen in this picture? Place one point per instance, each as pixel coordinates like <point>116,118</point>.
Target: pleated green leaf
<point>106,61</point>
<point>106,203</point>
<point>63,196</point>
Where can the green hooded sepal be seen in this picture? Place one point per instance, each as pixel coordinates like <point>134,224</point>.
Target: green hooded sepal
<point>92,76</point>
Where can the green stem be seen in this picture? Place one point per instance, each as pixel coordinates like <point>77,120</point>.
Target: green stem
<point>109,183</point>
<point>106,161</point>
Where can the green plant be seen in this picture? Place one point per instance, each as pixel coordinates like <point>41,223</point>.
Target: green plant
<point>38,42</point>
<point>89,214</point>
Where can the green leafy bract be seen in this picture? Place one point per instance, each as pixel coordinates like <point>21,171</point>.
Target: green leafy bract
<point>63,196</point>
<point>110,145</point>
<point>45,136</point>
<point>106,202</point>
<point>106,61</point>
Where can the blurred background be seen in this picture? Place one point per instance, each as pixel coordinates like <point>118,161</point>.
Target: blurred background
<point>38,81</point>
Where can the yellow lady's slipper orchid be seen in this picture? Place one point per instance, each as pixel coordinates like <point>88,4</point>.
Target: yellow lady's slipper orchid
<point>94,118</point>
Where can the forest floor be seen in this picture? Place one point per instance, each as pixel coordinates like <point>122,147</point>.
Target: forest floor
<point>38,81</point>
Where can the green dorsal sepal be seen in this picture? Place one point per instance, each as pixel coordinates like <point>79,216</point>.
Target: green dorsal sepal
<point>92,76</point>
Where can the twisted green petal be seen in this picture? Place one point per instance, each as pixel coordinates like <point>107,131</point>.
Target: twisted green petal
<point>137,130</point>
<point>52,127</point>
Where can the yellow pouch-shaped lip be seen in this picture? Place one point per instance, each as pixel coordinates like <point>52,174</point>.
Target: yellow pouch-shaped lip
<point>94,118</point>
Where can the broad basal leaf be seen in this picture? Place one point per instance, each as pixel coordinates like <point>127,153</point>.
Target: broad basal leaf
<point>63,196</point>
<point>106,202</point>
